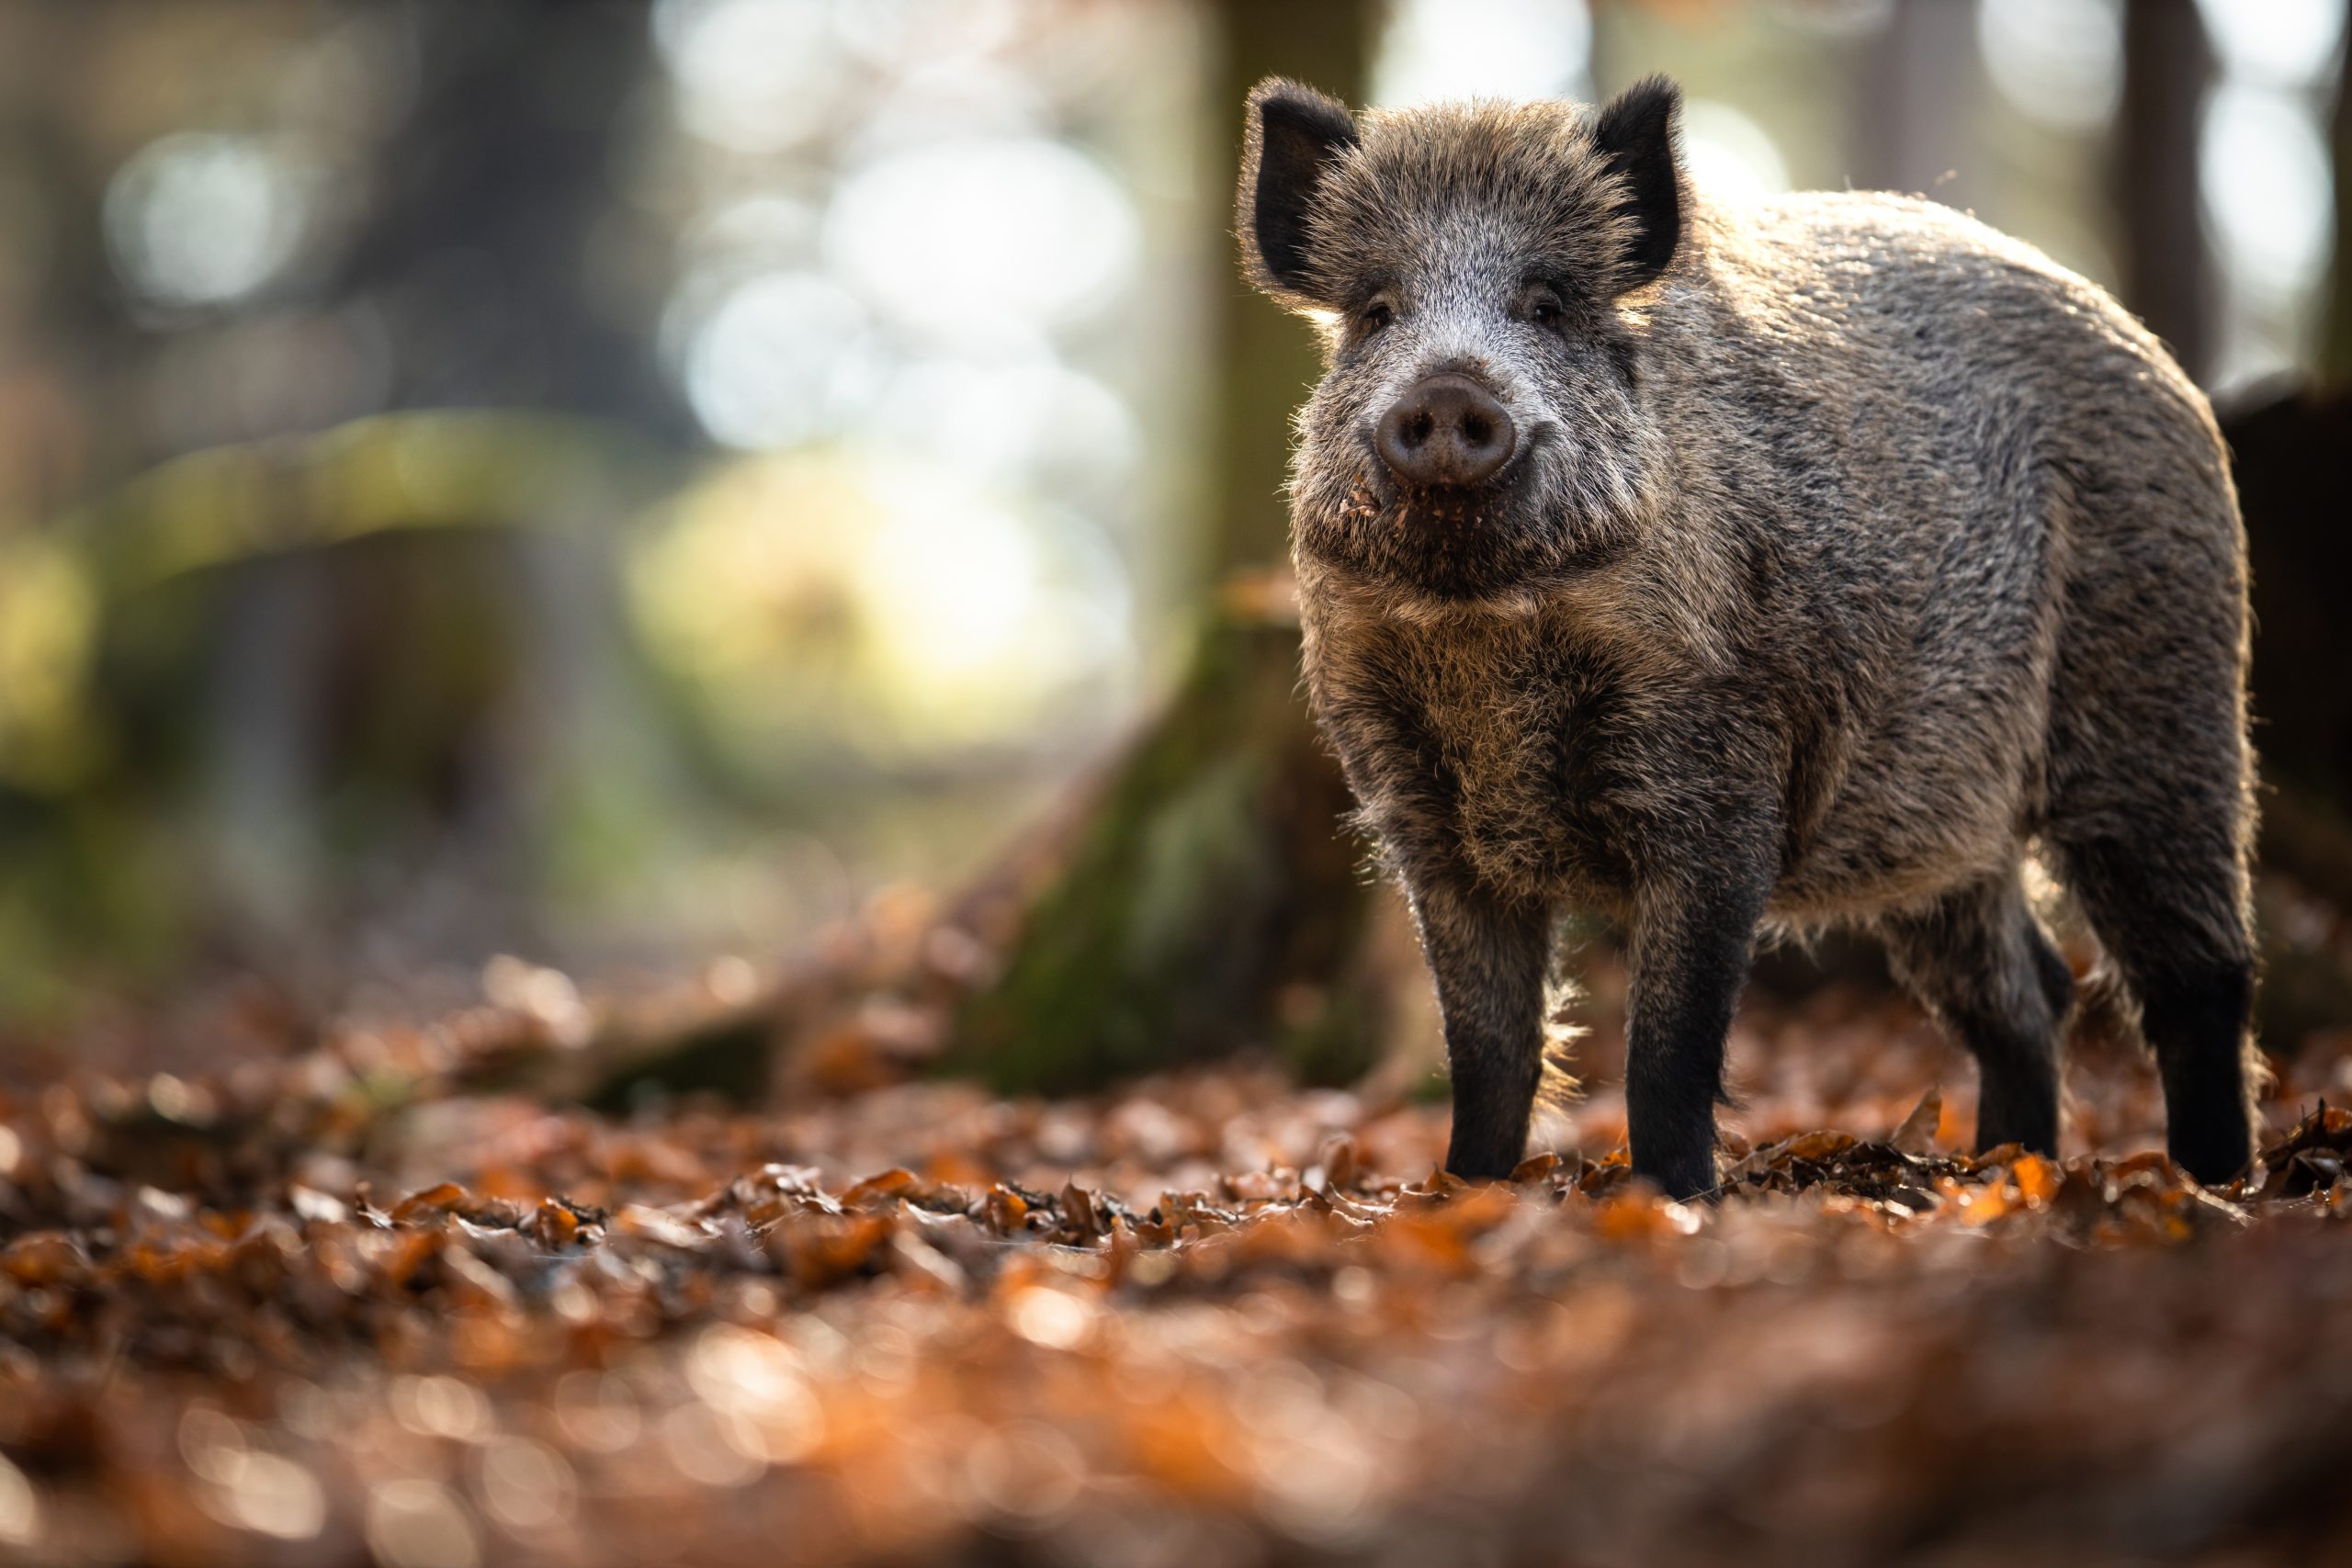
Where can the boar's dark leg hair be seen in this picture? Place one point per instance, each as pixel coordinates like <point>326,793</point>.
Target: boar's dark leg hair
<point>2194,984</point>
<point>1979,961</point>
<point>1692,937</point>
<point>2152,809</point>
<point>1488,955</point>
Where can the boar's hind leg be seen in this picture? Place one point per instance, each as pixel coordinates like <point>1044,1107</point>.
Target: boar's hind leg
<point>1977,960</point>
<point>2173,919</point>
<point>1488,955</point>
<point>2149,792</point>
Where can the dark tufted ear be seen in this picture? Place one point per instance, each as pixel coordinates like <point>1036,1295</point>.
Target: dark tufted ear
<point>1636,132</point>
<point>1292,134</point>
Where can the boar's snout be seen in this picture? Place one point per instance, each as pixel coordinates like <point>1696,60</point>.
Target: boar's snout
<point>1445,429</point>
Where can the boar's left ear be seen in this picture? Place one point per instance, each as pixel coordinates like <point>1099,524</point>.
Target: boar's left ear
<point>1291,136</point>
<point>1635,132</point>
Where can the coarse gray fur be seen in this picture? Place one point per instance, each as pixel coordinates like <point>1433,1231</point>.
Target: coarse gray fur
<point>1849,550</point>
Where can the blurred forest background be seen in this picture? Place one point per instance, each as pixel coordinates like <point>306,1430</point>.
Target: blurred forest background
<point>639,487</point>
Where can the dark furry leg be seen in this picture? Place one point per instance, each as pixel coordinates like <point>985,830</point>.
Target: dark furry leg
<point>1979,961</point>
<point>2175,924</point>
<point>2196,1021</point>
<point>1488,957</point>
<point>1691,943</point>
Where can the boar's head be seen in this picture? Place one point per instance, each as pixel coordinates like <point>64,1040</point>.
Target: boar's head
<point>1479,273</point>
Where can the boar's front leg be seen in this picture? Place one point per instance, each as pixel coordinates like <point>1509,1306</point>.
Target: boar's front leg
<point>1488,953</point>
<point>1689,946</point>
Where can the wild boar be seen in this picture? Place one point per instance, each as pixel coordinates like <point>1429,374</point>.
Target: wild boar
<point>1734,568</point>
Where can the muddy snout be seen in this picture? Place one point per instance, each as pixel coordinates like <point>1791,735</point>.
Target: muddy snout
<point>1445,429</point>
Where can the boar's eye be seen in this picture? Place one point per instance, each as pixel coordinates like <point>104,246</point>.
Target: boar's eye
<point>1543,308</point>
<point>1373,317</point>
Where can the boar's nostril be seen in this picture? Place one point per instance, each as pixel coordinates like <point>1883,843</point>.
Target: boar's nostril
<point>1445,429</point>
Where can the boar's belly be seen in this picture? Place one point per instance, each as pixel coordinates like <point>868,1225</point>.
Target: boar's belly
<point>1929,805</point>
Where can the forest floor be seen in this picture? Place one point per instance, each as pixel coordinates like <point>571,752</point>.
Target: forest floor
<point>326,1297</point>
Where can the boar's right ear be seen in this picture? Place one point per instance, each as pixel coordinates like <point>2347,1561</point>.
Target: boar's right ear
<point>1292,135</point>
<point>1635,132</point>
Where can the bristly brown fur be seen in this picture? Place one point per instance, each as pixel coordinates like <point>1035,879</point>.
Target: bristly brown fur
<point>1847,547</point>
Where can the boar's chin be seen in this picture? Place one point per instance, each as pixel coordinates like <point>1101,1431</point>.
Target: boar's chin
<point>1565,509</point>
<point>1451,546</point>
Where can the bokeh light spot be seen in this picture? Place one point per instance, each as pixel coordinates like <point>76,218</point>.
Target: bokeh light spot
<point>781,359</point>
<point>1728,155</point>
<point>421,1524</point>
<point>196,218</point>
<point>2285,42</point>
<point>754,75</point>
<point>959,242</point>
<point>2060,62</point>
<point>2267,196</point>
<point>1435,50</point>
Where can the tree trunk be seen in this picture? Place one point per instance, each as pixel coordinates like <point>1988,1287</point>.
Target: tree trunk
<point>322,667</point>
<point>1267,360</point>
<point>475,258</point>
<point>2167,270</point>
<point>1917,102</point>
<point>2294,492</point>
<point>481,251</point>
<point>2335,348</point>
<point>1208,899</point>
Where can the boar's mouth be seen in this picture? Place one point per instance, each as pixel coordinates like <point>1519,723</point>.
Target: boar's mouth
<point>1455,543</point>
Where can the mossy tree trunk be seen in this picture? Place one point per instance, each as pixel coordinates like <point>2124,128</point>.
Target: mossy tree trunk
<point>1210,898</point>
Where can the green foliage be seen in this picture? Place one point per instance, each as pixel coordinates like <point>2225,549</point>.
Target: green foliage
<point>400,535</point>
